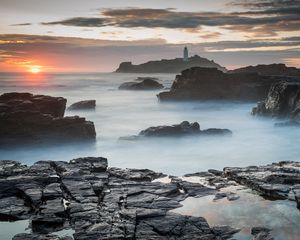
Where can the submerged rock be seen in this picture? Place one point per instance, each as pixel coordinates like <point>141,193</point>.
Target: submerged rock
<point>177,130</point>
<point>86,104</point>
<point>145,84</point>
<point>27,118</point>
<point>283,101</point>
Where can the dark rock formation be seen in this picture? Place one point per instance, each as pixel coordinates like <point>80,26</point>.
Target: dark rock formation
<point>177,130</point>
<point>212,84</point>
<point>276,181</point>
<point>261,233</point>
<point>27,102</point>
<point>271,69</point>
<point>168,65</point>
<point>100,202</point>
<point>87,104</point>
<point>283,101</point>
<point>31,118</point>
<point>145,84</point>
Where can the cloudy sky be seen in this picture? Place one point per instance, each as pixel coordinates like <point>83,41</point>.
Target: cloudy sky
<point>96,35</point>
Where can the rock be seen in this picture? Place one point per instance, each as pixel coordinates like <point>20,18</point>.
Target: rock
<point>212,84</point>
<point>29,236</point>
<point>261,233</point>
<point>271,69</point>
<point>275,181</point>
<point>87,104</point>
<point>216,131</point>
<point>54,106</point>
<point>182,129</point>
<point>145,84</point>
<point>168,65</point>
<point>98,201</point>
<point>39,119</point>
<point>283,101</point>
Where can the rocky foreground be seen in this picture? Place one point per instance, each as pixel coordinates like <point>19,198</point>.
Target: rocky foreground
<point>111,203</point>
<point>28,118</point>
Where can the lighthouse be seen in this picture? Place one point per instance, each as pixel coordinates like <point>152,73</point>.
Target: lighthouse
<point>185,54</point>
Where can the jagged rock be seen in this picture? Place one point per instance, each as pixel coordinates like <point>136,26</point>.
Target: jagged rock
<point>212,84</point>
<point>29,236</point>
<point>145,84</point>
<point>86,104</point>
<point>283,101</point>
<point>28,118</point>
<point>276,181</point>
<point>168,65</point>
<point>261,233</point>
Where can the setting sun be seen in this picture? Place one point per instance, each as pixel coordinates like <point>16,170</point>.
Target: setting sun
<point>35,70</point>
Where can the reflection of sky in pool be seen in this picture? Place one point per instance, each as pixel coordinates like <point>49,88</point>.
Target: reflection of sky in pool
<point>10,229</point>
<point>249,210</point>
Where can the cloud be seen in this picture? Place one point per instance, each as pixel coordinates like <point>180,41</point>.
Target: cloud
<point>265,18</point>
<point>21,24</point>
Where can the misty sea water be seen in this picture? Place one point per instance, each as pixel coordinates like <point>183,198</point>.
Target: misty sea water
<point>255,141</point>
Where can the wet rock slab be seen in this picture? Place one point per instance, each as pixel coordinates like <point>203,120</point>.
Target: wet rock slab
<point>276,181</point>
<point>99,202</point>
<point>81,105</point>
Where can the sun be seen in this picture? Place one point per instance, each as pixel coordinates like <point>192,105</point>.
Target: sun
<point>35,70</point>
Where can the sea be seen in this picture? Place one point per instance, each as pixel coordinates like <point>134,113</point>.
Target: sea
<point>119,113</point>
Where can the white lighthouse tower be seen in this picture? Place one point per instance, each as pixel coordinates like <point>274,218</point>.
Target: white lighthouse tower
<point>185,54</point>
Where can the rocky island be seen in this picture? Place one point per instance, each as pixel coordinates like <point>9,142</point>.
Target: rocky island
<point>99,202</point>
<point>168,65</point>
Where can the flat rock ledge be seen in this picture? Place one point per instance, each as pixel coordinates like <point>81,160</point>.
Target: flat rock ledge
<point>98,202</point>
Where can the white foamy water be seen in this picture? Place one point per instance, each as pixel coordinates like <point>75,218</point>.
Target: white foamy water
<point>121,113</point>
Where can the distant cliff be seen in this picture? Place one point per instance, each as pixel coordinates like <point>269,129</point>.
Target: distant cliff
<point>168,65</point>
<point>279,69</point>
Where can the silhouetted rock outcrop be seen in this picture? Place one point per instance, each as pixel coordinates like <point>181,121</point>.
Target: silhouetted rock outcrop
<point>86,104</point>
<point>168,65</point>
<point>271,69</point>
<point>283,101</point>
<point>143,84</point>
<point>27,118</point>
<point>211,84</point>
<point>176,130</point>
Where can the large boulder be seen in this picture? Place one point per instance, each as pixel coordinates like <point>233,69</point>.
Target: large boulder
<point>212,84</point>
<point>31,118</point>
<point>14,101</point>
<point>86,104</point>
<point>145,84</point>
<point>283,101</point>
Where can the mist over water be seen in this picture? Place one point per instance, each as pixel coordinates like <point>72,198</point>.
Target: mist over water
<point>121,113</point>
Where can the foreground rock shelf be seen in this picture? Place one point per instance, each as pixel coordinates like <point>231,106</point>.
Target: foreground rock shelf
<point>111,203</point>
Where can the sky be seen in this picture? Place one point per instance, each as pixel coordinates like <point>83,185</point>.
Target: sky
<point>96,35</point>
